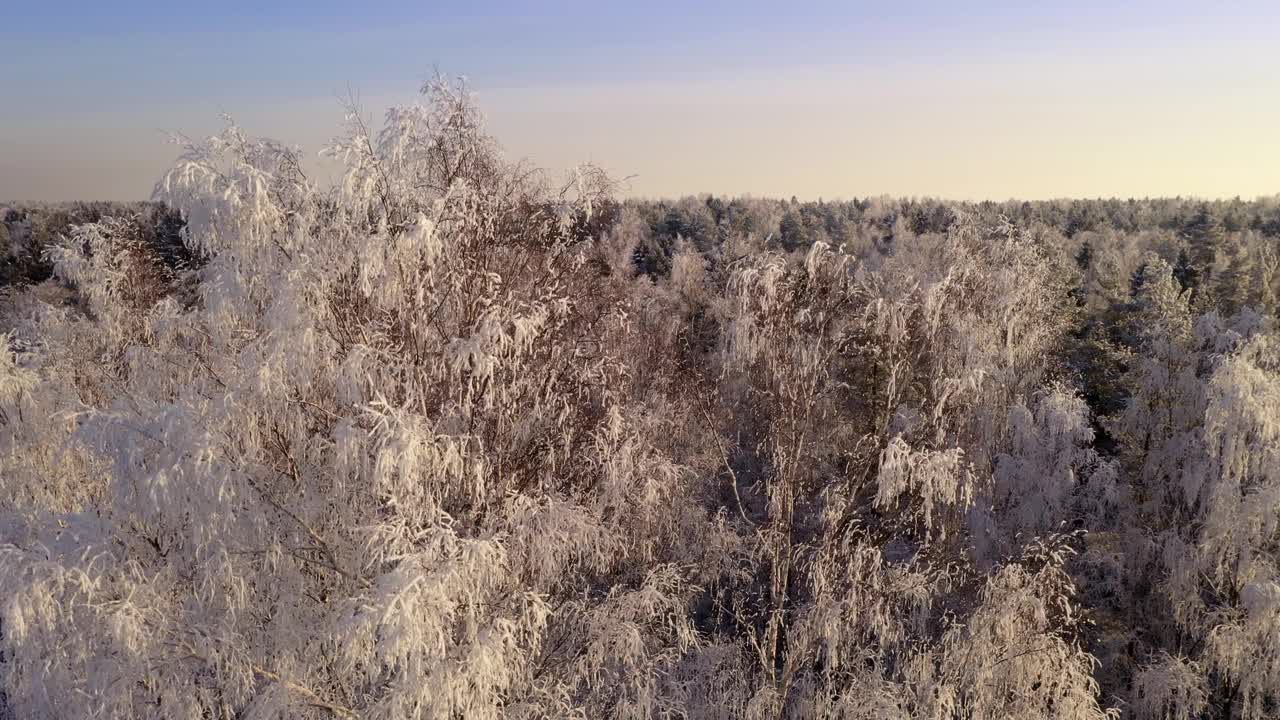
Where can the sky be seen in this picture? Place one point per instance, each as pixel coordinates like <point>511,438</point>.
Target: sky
<point>965,100</point>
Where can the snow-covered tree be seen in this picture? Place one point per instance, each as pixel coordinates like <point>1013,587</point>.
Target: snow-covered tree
<point>459,438</point>
<point>383,461</point>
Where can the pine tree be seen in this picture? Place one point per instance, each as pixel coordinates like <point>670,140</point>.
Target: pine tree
<point>1183,271</point>
<point>1204,233</point>
<point>1233,288</point>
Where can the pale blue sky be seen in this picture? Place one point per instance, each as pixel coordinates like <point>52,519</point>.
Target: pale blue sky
<point>976,100</point>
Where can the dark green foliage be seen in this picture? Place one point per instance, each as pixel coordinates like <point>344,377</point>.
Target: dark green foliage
<point>1183,270</point>
<point>1084,257</point>
<point>30,230</point>
<point>1204,235</point>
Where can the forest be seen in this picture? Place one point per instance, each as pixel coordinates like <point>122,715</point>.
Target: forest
<point>463,438</point>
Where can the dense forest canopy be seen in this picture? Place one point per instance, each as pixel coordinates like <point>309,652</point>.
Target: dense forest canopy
<point>463,439</point>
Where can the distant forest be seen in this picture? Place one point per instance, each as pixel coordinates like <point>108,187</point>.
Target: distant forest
<point>1170,227</point>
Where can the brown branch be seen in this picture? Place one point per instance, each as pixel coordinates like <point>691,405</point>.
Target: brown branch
<point>724,457</point>
<point>312,698</point>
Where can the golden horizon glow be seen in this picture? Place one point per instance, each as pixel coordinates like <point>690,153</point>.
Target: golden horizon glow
<point>1164,100</point>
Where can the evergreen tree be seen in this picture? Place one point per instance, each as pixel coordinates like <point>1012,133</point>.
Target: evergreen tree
<point>1084,258</point>
<point>1204,234</point>
<point>1183,271</point>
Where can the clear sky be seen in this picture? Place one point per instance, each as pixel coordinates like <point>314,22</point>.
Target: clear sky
<point>964,99</point>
